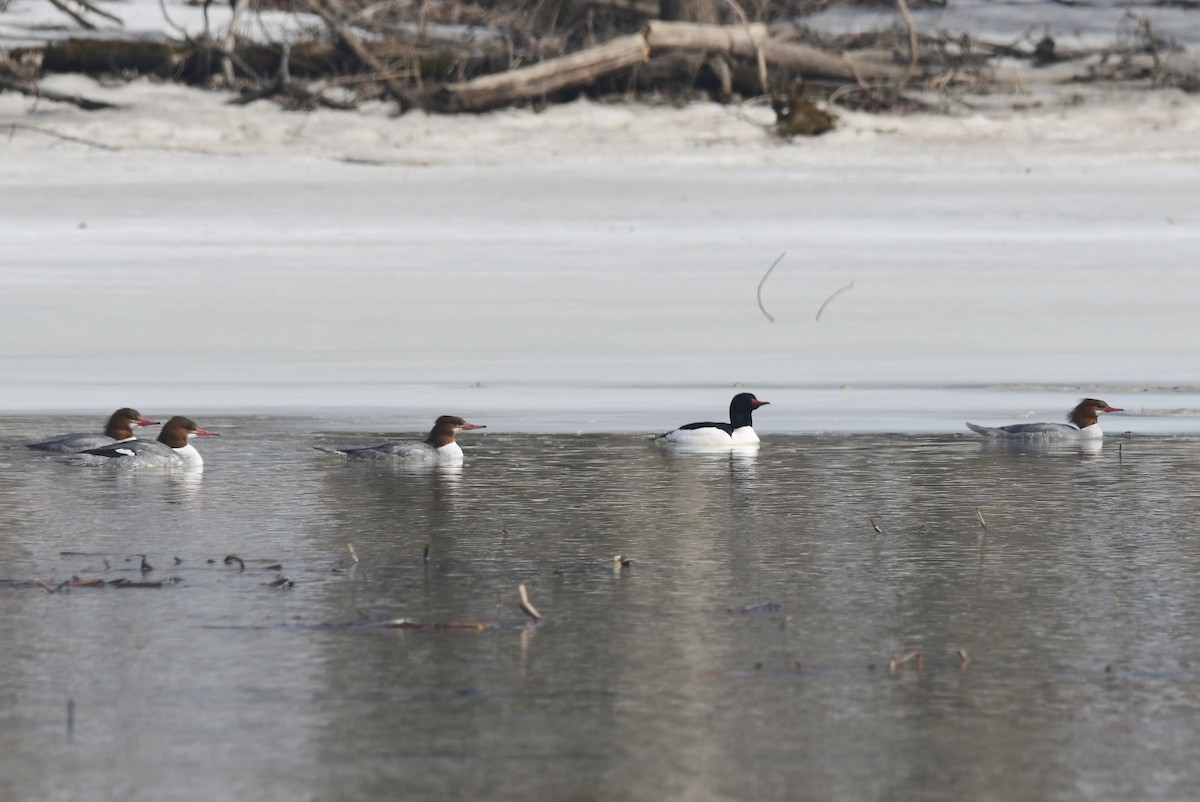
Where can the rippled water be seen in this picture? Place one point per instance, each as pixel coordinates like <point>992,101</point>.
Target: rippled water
<point>744,654</point>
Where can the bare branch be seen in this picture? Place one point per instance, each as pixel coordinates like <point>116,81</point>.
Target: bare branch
<point>831,297</point>
<point>763,281</point>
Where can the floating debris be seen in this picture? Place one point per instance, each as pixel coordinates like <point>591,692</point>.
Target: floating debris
<point>527,606</point>
<point>282,582</point>
<point>406,623</point>
<point>913,657</point>
<point>49,589</point>
<point>129,583</point>
<point>765,607</point>
<point>982,522</point>
<point>878,529</point>
<point>230,559</point>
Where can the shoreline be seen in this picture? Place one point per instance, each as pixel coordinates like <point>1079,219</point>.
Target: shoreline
<point>1044,124</point>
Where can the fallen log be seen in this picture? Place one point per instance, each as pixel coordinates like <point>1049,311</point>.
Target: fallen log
<point>747,40</point>
<point>526,83</point>
<point>736,40</point>
<point>583,68</point>
<point>33,90</point>
<point>820,64</point>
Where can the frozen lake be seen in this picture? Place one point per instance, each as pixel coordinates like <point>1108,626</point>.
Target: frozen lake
<point>988,270</point>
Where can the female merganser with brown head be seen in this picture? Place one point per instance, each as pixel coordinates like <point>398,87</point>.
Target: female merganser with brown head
<point>1084,418</point>
<point>738,432</point>
<point>172,449</point>
<point>439,448</point>
<point>120,428</point>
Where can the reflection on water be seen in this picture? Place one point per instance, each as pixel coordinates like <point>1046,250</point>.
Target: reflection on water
<point>743,654</point>
<point>1084,449</point>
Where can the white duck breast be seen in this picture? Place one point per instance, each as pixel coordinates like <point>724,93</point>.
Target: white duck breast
<point>709,434</point>
<point>1084,418</point>
<point>172,449</point>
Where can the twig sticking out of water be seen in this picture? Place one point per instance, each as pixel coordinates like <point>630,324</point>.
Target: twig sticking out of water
<point>425,553</point>
<point>527,606</point>
<point>876,527</point>
<point>836,293</point>
<point>763,281</point>
<point>353,554</point>
<point>982,522</point>
<point>964,658</point>
<point>912,657</point>
<point>146,567</point>
<point>70,718</point>
<point>230,559</point>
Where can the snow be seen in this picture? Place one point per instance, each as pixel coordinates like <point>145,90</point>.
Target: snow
<point>596,266</point>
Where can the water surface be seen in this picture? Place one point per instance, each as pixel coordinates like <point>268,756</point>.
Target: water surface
<point>744,654</point>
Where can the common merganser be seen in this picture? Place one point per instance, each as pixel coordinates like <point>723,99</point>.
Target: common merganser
<point>439,447</point>
<point>1085,420</point>
<point>172,449</point>
<point>119,428</point>
<point>738,432</point>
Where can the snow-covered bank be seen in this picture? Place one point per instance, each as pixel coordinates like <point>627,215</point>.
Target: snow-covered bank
<point>1046,124</point>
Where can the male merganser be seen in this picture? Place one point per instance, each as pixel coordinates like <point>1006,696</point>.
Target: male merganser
<point>738,432</point>
<point>439,447</point>
<point>170,450</point>
<point>120,428</point>
<point>1085,418</point>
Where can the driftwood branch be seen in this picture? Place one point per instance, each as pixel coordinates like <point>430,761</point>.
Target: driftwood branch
<point>33,90</point>
<point>553,75</point>
<point>83,21</point>
<point>526,605</point>
<point>99,12</point>
<point>332,16</point>
<point>585,67</point>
